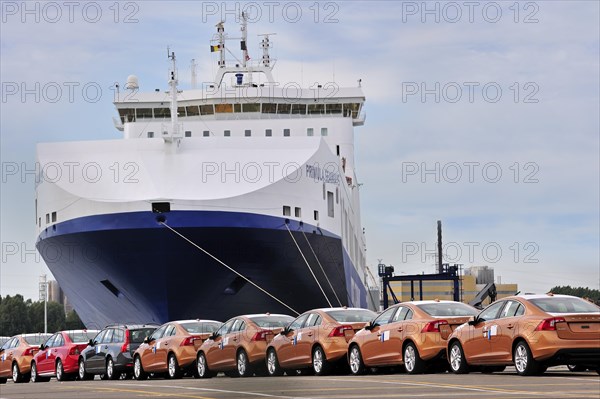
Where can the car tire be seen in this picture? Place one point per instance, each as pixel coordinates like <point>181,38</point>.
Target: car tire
<point>60,372</point>
<point>524,361</point>
<point>82,374</point>
<point>456,358</point>
<point>575,367</point>
<point>35,377</point>
<point>320,364</point>
<point>173,368</point>
<point>413,364</point>
<point>17,376</point>
<point>3,380</point>
<point>243,364</point>
<point>357,366</point>
<point>202,367</point>
<point>273,367</point>
<point>111,373</point>
<point>138,369</point>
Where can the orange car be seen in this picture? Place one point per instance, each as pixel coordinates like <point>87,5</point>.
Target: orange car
<point>317,339</point>
<point>172,348</point>
<point>238,347</point>
<point>409,333</point>
<point>16,355</point>
<point>532,332</point>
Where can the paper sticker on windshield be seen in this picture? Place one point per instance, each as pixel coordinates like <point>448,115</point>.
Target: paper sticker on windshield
<point>385,336</point>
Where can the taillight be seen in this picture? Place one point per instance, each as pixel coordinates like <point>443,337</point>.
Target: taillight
<point>74,351</point>
<point>28,351</point>
<point>188,341</point>
<point>550,324</point>
<point>261,335</point>
<point>339,331</point>
<point>125,347</point>
<point>434,326</point>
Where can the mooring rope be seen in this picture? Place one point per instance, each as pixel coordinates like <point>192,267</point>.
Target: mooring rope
<point>323,270</point>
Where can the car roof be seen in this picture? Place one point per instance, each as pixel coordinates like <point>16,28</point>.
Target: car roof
<point>194,321</point>
<point>262,315</point>
<point>337,308</point>
<point>538,296</point>
<point>430,302</point>
<point>132,326</point>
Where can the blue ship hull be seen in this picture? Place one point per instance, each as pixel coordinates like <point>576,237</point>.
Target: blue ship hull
<point>127,267</point>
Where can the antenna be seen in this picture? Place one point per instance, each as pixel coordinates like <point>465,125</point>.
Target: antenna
<point>174,136</point>
<point>243,46</point>
<point>265,44</point>
<point>193,66</point>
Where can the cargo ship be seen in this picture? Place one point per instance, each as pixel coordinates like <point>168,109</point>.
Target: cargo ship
<point>237,197</point>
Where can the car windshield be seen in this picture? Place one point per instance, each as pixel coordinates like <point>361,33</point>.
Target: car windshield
<point>137,336</point>
<point>81,337</point>
<point>565,305</point>
<point>36,339</point>
<point>447,309</point>
<point>351,315</point>
<point>196,327</point>
<point>272,321</point>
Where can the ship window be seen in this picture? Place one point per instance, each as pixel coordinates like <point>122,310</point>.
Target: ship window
<point>181,111</point>
<point>298,212</point>
<point>143,113</point>
<point>299,109</point>
<point>287,211</point>
<point>223,108</point>
<point>247,132</point>
<point>47,218</point>
<point>162,113</point>
<point>227,133</point>
<point>206,133</point>
<point>310,131</point>
<point>161,207</point>
<point>269,108</point>
<point>237,107</point>
<point>323,131</point>
<point>316,215</point>
<point>329,204</point>
<point>110,286</point>
<point>207,109</point>
<point>252,107</point>
<point>127,115</point>
<point>284,108</point>
<point>334,108</point>
<point>192,110</point>
<point>188,133</point>
<point>337,150</point>
<point>324,191</point>
<point>268,132</point>
<point>40,222</point>
<point>337,195</point>
<point>351,109</point>
<point>316,109</point>
<point>53,217</point>
<point>150,135</point>
<point>286,132</point>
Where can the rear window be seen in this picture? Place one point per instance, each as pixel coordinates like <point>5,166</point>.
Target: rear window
<point>272,321</point>
<point>81,337</point>
<point>37,339</point>
<point>137,336</point>
<point>447,309</point>
<point>352,315</point>
<point>565,305</point>
<point>199,328</point>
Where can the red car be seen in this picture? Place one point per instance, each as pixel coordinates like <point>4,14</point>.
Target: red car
<point>58,356</point>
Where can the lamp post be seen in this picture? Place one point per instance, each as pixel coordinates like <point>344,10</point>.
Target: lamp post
<point>43,289</point>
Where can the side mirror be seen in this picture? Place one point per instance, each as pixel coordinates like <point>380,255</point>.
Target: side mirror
<point>91,342</point>
<point>372,324</point>
<point>42,347</point>
<point>214,336</point>
<point>146,340</point>
<point>473,321</point>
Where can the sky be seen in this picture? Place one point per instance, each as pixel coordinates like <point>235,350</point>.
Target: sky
<point>484,115</point>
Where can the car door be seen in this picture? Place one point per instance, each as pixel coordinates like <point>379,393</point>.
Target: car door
<point>236,338</point>
<point>54,355</point>
<point>162,348</point>
<point>97,361</point>
<point>148,353</point>
<point>286,351</point>
<point>303,340</point>
<point>89,352</point>
<point>219,349</point>
<point>43,363</point>
<point>506,331</point>
<point>6,356</point>
<point>375,348</point>
<point>476,343</point>
<point>400,327</point>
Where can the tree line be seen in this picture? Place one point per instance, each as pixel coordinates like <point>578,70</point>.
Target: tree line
<point>19,316</point>
<point>582,292</point>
